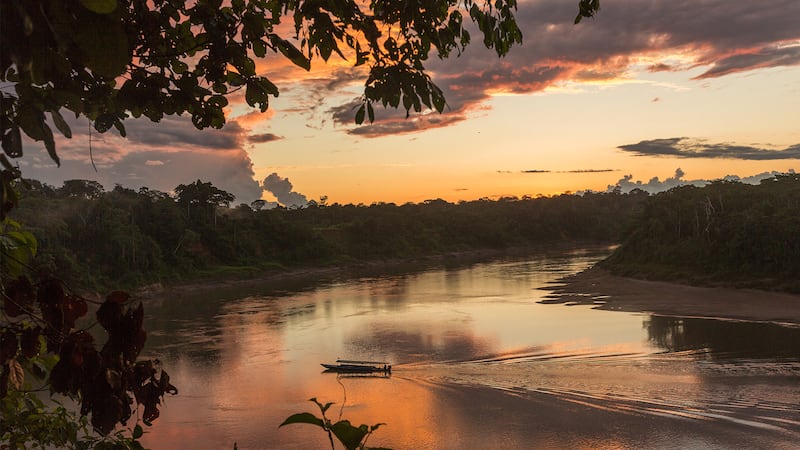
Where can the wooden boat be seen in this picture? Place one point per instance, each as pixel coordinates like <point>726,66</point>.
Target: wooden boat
<point>354,366</point>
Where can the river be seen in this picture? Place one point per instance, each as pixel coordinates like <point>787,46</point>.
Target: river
<point>478,362</point>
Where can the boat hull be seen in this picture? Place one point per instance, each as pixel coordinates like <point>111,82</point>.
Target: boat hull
<point>355,368</point>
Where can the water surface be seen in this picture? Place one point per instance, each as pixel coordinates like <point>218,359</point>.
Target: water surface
<point>478,363</point>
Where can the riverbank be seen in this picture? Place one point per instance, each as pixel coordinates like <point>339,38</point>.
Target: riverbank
<point>281,279</point>
<point>595,286</point>
<point>610,292</point>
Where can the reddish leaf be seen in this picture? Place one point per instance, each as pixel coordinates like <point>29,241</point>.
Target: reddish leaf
<point>29,342</point>
<point>73,308</point>
<point>3,382</point>
<point>16,376</point>
<point>166,387</point>
<point>63,378</point>
<point>142,371</point>
<point>135,346</point>
<point>106,413</point>
<point>18,296</point>
<point>51,299</point>
<point>109,315</point>
<point>151,413</point>
<point>137,317</point>
<point>8,346</point>
<point>50,293</point>
<point>118,297</point>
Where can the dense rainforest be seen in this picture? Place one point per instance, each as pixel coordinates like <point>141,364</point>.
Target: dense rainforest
<point>724,233</point>
<point>727,233</point>
<point>97,239</point>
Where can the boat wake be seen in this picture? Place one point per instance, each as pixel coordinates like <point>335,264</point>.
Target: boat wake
<point>690,385</point>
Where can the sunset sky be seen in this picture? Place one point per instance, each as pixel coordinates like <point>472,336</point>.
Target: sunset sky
<point>710,87</point>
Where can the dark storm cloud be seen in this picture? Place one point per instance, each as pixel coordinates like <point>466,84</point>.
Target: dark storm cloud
<point>661,67</point>
<point>724,36</point>
<point>229,170</point>
<point>263,138</point>
<point>316,91</point>
<point>682,147</point>
<point>170,133</point>
<point>283,191</point>
<point>389,121</point>
<point>764,57</point>
<point>727,37</point>
<point>714,29</point>
<point>153,155</point>
<point>178,131</point>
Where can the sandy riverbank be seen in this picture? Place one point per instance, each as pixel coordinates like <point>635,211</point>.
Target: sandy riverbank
<point>612,292</point>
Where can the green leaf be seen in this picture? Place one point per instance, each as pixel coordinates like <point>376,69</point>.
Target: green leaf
<point>104,122</point>
<point>138,431</point>
<point>438,100</point>
<point>290,51</point>
<point>303,418</point>
<point>100,6</point>
<point>12,142</point>
<point>268,86</point>
<point>255,96</point>
<point>179,66</point>
<point>104,43</point>
<point>349,435</point>
<point>235,79</point>
<point>50,145</point>
<point>370,112</point>
<point>322,407</point>
<point>259,48</point>
<point>31,120</point>
<point>360,115</point>
<point>120,128</point>
<point>61,124</point>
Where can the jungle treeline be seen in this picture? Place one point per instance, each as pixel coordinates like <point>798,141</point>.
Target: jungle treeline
<point>725,233</point>
<point>123,238</point>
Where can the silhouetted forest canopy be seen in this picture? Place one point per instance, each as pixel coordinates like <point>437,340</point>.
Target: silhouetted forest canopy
<point>97,239</point>
<point>724,233</point>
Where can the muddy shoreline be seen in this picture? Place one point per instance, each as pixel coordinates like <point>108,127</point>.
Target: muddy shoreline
<point>279,279</point>
<point>610,292</point>
<point>594,286</point>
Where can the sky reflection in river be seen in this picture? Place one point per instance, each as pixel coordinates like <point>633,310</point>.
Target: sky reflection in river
<point>244,364</point>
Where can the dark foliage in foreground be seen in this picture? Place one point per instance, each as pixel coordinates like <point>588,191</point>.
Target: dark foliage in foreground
<point>724,233</point>
<point>109,384</point>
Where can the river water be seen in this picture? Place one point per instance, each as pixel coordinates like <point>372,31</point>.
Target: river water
<point>478,361</point>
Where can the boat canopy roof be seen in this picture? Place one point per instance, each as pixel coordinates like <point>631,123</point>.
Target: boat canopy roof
<point>353,361</point>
